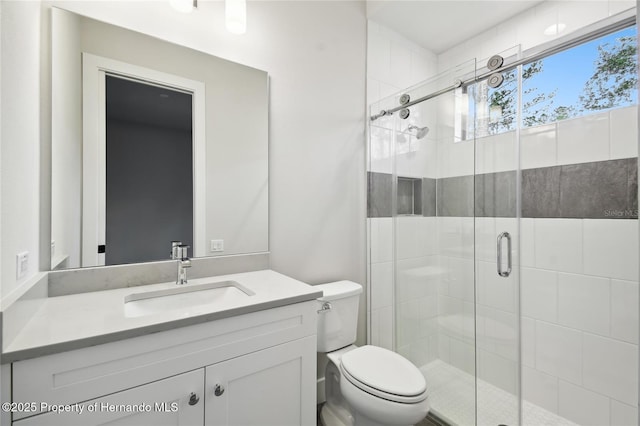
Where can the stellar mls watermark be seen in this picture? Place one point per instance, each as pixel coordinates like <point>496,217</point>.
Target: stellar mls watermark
<point>621,213</point>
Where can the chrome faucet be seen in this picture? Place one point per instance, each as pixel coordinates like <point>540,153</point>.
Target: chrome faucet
<point>182,252</point>
<point>174,249</point>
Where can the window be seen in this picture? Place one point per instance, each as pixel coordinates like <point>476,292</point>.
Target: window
<point>595,76</point>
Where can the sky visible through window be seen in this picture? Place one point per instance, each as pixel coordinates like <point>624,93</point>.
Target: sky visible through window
<point>569,70</point>
<point>595,76</point>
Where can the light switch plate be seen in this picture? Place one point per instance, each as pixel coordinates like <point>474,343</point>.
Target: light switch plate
<point>22,264</point>
<point>217,245</point>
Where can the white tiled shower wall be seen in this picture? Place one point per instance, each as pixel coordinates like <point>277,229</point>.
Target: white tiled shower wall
<point>393,63</point>
<point>578,278</point>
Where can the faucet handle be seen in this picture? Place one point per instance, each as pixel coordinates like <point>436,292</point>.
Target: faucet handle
<point>183,252</point>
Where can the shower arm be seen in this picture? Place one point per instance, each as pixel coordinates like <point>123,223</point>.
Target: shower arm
<point>622,20</point>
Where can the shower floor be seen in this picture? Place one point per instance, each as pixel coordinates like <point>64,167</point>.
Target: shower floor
<point>452,397</point>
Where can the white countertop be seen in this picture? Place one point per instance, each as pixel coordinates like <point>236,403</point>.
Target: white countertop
<point>86,319</point>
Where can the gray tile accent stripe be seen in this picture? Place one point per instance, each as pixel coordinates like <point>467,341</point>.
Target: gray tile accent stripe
<point>541,192</point>
<point>597,190</point>
<point>379,194</point>
<point>496,195</point>
<point>455,196</point>
<point>632,184</point>
<point>429,196</point>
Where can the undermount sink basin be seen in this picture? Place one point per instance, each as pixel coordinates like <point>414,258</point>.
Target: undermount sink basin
<point>184,298</point>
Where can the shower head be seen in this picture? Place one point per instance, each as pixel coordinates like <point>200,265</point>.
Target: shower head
<point>421,132</point>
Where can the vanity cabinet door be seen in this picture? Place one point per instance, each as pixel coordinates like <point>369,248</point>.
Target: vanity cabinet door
<point>271,387</point>
<point>167,402</point>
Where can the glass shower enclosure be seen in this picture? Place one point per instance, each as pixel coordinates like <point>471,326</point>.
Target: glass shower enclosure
<point>503,245</point>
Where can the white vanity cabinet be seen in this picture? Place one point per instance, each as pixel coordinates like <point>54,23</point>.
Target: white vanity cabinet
<point>253,369</point>
<point>162,403</point>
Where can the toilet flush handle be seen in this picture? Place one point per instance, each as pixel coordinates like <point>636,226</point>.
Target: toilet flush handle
<point>326,306</point>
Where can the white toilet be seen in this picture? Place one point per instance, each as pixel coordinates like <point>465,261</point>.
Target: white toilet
<point>368,385</point>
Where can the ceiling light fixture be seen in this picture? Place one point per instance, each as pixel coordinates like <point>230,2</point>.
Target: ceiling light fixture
<point>184,6</point>
<point>236,16</point>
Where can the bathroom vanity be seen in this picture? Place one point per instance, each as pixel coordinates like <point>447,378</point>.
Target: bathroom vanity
<point>244,355</point>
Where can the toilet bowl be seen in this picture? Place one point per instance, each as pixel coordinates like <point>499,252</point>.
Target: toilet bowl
<point>368,385</point>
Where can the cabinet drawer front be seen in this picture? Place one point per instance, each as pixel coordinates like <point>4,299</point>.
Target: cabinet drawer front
<point>161,403</point>
<point>88,373</point>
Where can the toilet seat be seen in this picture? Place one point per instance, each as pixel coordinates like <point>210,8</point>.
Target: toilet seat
<point>385,374</point>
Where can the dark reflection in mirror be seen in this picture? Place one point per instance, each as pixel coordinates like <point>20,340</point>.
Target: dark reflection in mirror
<point>149,173</point>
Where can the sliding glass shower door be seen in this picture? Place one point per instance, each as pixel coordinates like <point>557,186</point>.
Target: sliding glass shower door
<point>495,99</point>
<point>441,212</point>
<point>434,243</point>
<point>455,234</point>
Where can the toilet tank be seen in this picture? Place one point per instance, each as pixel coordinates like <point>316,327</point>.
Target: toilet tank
<point>337,315</point>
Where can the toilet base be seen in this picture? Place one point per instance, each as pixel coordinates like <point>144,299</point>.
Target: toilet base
<point>333,415</point>
<point>365,421</point>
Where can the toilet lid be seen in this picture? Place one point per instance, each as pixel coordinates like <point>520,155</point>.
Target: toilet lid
<point>383,371</point>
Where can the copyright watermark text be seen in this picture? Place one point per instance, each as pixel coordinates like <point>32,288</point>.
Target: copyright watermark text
<point>44,407</point>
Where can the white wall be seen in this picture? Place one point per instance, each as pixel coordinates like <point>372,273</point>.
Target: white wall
<point>20,140</point>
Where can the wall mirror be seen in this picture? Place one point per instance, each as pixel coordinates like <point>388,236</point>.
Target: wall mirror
<point>152,142</point>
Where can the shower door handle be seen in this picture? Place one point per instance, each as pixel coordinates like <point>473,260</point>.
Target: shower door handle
<point>499,251</point>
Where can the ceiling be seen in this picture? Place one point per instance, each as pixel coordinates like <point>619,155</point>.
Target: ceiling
<point>438,25</point>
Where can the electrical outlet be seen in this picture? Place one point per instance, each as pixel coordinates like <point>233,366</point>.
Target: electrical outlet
<point>217,245</point>
<point>22,264</point>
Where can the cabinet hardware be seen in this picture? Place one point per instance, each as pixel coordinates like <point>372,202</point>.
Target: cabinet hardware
<point>218,390</point>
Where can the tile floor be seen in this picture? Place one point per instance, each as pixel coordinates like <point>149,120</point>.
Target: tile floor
<point>453,398</point>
